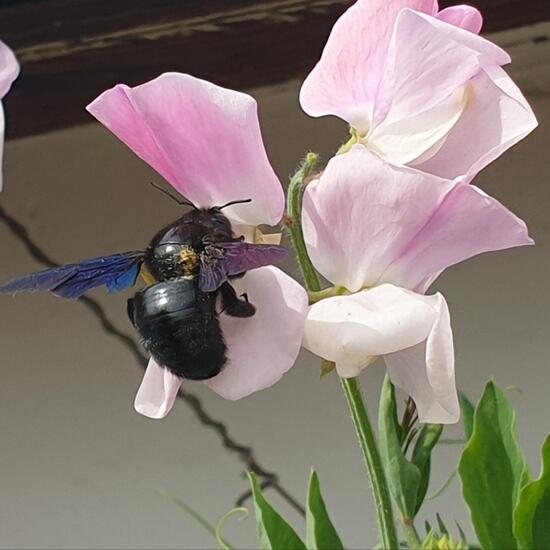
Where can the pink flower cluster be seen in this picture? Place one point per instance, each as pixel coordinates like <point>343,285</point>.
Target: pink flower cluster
<point>429,106</point>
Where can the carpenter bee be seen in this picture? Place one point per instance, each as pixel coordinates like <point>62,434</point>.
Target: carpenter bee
<point>189,266</point>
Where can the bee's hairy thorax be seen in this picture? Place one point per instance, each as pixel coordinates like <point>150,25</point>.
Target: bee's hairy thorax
<point>175,251</point>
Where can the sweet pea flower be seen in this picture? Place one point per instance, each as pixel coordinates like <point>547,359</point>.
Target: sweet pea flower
<point>9,71</point>
<point>206,142</point>
<point>381,234</point>
<point>419,86</point>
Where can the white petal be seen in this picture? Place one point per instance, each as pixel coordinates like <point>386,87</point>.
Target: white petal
<point>158,391</point>
<point>497,117</point>
<point>418,138</point>
<point>426,371</point>
<point>261,348</point>
<point>350,330</point>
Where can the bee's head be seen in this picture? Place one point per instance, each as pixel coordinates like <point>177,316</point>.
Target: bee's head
<point>218,218</point>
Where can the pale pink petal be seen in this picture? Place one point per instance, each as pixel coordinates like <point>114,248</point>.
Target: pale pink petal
<point>158,391</point>
<point>489,52</point>
<point>260,349</point>
<point>9,69</point>
<point>204,139</point>
<point>2,129</point>
<point>345,80</point>
<point>426,371</point>
<point>362,212</point>
<point>465,17</point>
<point>428,61</point>
<point>468,222</point>
<point>496,118</point>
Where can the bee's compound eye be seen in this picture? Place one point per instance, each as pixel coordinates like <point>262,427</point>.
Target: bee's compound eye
<point>170,249</point>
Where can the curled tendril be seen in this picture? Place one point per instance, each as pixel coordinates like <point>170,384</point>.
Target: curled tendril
<point>223,520</point>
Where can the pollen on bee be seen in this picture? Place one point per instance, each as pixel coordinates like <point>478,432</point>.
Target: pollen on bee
<point>190,260</point>
<point>147,277</point>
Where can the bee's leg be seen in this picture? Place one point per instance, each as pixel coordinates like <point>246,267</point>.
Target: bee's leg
<point>237,276</point>
<point>233,305</point>
<point>130,310</point>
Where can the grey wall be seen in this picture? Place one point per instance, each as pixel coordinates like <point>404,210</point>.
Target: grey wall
<point>79,469</point>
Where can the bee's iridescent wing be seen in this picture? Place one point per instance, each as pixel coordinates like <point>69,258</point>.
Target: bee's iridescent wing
<point>116,272</point>
<point>222,260</point>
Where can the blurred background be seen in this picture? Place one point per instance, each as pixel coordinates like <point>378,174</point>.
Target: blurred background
<point>78,467</point>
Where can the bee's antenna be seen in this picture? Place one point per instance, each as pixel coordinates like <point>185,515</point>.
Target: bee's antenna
<point>176,199</point>
<point>241,201</point>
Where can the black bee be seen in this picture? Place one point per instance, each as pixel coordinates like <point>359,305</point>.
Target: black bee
<point>190,264</point>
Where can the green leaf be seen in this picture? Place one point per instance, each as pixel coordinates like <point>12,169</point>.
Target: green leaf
<point>532,514</point>
<point>274,533</point>
<point>427,527</point>
<point>403,477</point>
<point>321,534</point>
<point>467,415</point>
<point>421,458</point>
<point>492,469</point>
<point>441,525</point>
<point>461,532</point>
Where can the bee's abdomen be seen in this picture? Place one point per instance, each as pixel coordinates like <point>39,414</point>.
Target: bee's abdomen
<point>179,327</point>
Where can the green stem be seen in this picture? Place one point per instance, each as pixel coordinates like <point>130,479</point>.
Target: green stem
<point>373,462</point>
<point>350,386</point>
<point>413,540</point>
<point>294,201</point>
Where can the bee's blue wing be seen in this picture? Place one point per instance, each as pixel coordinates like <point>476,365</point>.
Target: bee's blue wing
<point>116,272</point>
<point>221,260</point>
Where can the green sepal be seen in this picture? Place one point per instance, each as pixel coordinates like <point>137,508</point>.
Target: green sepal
<point>441,525</point>
<point>327,367</point>
<point>461,533</point>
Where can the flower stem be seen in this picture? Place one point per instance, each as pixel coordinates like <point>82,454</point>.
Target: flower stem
<point>373,462</point>
<point>294,223</point>
<point>350,386</point>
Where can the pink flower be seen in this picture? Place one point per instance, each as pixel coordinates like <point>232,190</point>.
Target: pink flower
<point>384,233</point>
<point>9,71</point>
<point>206,141</point>
<point>419,86</point>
